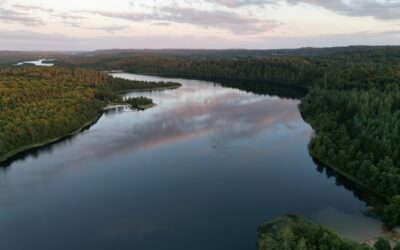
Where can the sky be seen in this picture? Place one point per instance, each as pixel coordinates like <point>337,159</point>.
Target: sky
<point>72,25</point>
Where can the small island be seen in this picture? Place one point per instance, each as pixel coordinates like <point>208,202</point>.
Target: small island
<point>140,103</point>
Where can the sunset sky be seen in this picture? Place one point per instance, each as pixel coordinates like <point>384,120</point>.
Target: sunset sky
<point>252,24</point>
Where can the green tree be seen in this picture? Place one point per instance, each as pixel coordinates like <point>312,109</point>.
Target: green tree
<point>382,244</point>
<point>392,212</point>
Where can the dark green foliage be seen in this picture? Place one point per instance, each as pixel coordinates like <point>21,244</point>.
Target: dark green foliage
<point>382,244</point>
<point>292,232</point>
<point>107,96</point>
<point>392,212</point>
<point>358,132</point>
<point>109,91</point>
<point>336,68</point>
<point>139,102</point>
<point>397,247</point>
<point>122,85</point>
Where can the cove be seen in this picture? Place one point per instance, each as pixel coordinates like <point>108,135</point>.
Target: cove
<point>201,170</point>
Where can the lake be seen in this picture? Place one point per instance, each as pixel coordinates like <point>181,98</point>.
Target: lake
<point>41,62</point>
<point>201,170</point>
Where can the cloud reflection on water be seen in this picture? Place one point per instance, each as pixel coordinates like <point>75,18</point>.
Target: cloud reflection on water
<point>224,115</point>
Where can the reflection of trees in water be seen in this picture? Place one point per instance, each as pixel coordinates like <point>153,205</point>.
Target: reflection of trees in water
<point>45,149</point>
<point>261,87</point>
<point>116,110</point>
<point>267,88</point>
<point>361,193</point>
<point>35,152</point>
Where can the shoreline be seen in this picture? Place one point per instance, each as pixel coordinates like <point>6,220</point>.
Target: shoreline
<point>122,105</point>
<point>338,171</point>
<point>349,177</point>
<point>211,79</point>
<point>148,106</point>
<point>393,236</point>
<point>147,89</point>
<point>26,148</point>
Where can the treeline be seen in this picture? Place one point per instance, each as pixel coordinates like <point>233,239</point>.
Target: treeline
<point>111,89</point>
<point>345,69</point>
<point>41,104</point>
<point>120,85</point>
<point>292,232</point>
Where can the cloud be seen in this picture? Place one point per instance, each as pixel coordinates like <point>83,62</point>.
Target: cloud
<point>68,16</point>
<point>380,9</point>
<point>72,23</point>
<point>110,28</point>
<point>22,13</point>
<point>219,19</point>
<point>334,40</point>
<point>27,7</point>
<point>241,3</point>
<point>29,36</point>
<point>383,9</point>
<point>19,17</point>
<point>26,40</point>
<point>204,18</point>
<point>162,23</point>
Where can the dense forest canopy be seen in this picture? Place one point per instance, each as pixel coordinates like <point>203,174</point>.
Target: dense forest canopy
<point>41,104</point>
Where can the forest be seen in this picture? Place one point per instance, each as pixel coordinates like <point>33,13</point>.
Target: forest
<point>294,232</point>
<point>40,105</point>
<point>352,100</point>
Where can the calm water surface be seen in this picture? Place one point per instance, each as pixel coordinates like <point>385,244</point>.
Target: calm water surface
<point>41,62</point>
<point>201,170</point>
